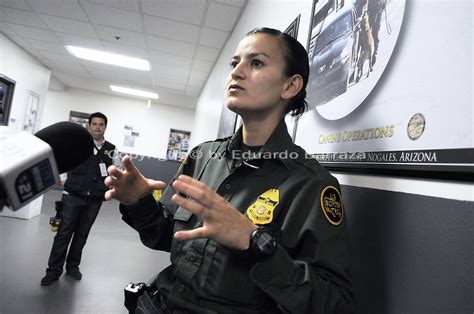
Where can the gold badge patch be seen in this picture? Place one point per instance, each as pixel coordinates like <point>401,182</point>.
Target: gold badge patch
<point>261,212</point>
<point>331,204</point>
<point>157,195</point>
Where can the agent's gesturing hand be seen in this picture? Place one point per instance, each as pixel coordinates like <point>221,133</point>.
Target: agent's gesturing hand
<point>221,221</point>
<point>128,186</point>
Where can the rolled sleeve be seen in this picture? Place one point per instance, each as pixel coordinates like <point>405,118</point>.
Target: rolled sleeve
<point>149,219</point>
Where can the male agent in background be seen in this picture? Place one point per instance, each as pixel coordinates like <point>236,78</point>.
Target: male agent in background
<point>82,197</point>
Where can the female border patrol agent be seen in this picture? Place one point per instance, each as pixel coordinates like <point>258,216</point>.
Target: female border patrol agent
<point>253,224</point>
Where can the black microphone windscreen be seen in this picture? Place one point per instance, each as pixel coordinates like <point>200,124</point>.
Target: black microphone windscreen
<point>71,143</point>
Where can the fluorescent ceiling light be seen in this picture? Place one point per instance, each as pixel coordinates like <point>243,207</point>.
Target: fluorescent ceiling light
<point>134,92</point>
<point>109,58</point>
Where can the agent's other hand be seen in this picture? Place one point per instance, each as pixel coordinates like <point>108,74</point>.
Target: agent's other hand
<point>128,185</point>
<point>221,221</point>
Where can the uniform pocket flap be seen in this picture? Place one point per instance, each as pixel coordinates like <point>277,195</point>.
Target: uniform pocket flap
<point>182,214</point>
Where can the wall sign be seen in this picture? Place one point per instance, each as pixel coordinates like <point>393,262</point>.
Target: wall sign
<point>381,99</point>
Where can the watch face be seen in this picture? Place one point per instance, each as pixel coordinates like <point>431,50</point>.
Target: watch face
<point>265,242</point>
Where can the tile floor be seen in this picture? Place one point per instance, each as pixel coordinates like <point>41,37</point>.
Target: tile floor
<point>112,257</point>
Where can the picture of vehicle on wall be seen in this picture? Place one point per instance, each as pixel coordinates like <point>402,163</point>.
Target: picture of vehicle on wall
<point>343,51</point>
<point>334,61</point>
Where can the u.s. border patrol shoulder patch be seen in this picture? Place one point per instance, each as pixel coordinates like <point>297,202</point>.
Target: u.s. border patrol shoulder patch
<point>261,211</point>
<point>331,205</point>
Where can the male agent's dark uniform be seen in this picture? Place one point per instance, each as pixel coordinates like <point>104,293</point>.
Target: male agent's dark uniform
<point>85,190</point>
<point>283,189</point>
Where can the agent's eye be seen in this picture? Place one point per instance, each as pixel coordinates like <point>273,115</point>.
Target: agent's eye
<point>233,63</point>
<point>257,63</point>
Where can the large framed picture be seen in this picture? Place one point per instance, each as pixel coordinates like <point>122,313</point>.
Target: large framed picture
<point>294,27</point>
<point>178,144</point>
<point>81,118</point>
<point>7,88</point>
<point>383,101</point>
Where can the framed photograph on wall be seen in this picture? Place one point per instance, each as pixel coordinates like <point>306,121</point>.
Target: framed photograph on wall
<point>293,28</point>
<point>7,88</point>
<point>178,144</point>
<point>380,100</point>
<point>80,118</point>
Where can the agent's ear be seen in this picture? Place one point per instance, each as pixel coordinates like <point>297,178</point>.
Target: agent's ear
<point>293,86</point>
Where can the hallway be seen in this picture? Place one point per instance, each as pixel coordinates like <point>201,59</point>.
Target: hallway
<point>112,257</point>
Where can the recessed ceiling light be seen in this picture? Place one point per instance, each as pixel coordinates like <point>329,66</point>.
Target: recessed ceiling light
<point>134,92</point>
<point>109,58</point>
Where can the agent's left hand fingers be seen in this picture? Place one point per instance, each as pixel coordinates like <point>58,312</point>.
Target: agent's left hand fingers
<point>192,206</point>
<point>191,234</point>
<point>110,181</point>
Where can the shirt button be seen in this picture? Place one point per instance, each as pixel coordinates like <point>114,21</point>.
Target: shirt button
<point>228,186</point>
<point>181,288</point>
<point>192,258</point>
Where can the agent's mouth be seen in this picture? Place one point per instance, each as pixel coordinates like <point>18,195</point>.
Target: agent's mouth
<point>235,87</point>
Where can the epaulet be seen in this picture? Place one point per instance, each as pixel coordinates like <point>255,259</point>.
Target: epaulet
<point>217,142</point>
<point>211,144</point>
<point>308,161</point>
<point>222,139</point>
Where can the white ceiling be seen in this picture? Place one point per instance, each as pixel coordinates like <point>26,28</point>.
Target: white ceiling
<point>181,38</point>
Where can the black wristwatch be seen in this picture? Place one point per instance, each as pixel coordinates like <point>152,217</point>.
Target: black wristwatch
<point>262,243</point>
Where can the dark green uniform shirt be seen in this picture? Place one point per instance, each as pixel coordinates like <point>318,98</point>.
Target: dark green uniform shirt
<point>281,188</point>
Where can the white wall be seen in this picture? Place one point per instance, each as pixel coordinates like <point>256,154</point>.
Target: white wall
<point>279,14</point>
<point>153,124</point>
<point>29,74</point>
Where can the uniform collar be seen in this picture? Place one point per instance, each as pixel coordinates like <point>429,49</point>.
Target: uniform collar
<point>98,148</point>
<point>278,146</point>
<point>97,143</point>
